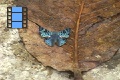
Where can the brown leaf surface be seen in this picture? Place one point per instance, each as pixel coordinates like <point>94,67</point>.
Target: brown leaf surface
<point>97,38</point>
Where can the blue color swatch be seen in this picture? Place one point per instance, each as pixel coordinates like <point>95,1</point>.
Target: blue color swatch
<point>16,24</point>
<point>16,9</point>
<point>16,16</point>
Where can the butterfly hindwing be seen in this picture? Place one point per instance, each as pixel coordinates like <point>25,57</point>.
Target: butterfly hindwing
<point>49,41</point>
<point>61,41</point>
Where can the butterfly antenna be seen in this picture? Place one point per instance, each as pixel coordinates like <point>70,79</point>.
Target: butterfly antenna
<point>35,23</point>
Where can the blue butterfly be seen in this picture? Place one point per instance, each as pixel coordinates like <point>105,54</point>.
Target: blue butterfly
<point>51,38</point>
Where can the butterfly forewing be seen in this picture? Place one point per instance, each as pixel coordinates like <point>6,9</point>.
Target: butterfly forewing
<point>44,32</point>
<point>64,33</point>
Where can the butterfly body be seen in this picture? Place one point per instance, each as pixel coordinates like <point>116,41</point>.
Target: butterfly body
<point>52,38</point>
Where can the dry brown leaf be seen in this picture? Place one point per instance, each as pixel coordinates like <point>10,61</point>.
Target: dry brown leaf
<point>95,35</point>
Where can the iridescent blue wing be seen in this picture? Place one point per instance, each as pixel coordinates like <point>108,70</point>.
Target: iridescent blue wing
<point>61,41</point>
<point>46,35</point>
<point>44,32</point>
<point>49,41</point>
<point>63,35</point>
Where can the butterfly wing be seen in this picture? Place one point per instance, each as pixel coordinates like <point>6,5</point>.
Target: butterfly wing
<point>46,35</point>
<point>63,35</point>
<point>44,32</point>
<point>61,41</point>
<point>49,41</point>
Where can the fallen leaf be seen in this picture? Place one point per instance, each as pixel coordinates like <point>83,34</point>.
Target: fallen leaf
<point>95,35</point>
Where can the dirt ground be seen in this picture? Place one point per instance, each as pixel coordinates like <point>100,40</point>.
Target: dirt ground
<point>17,64</point>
